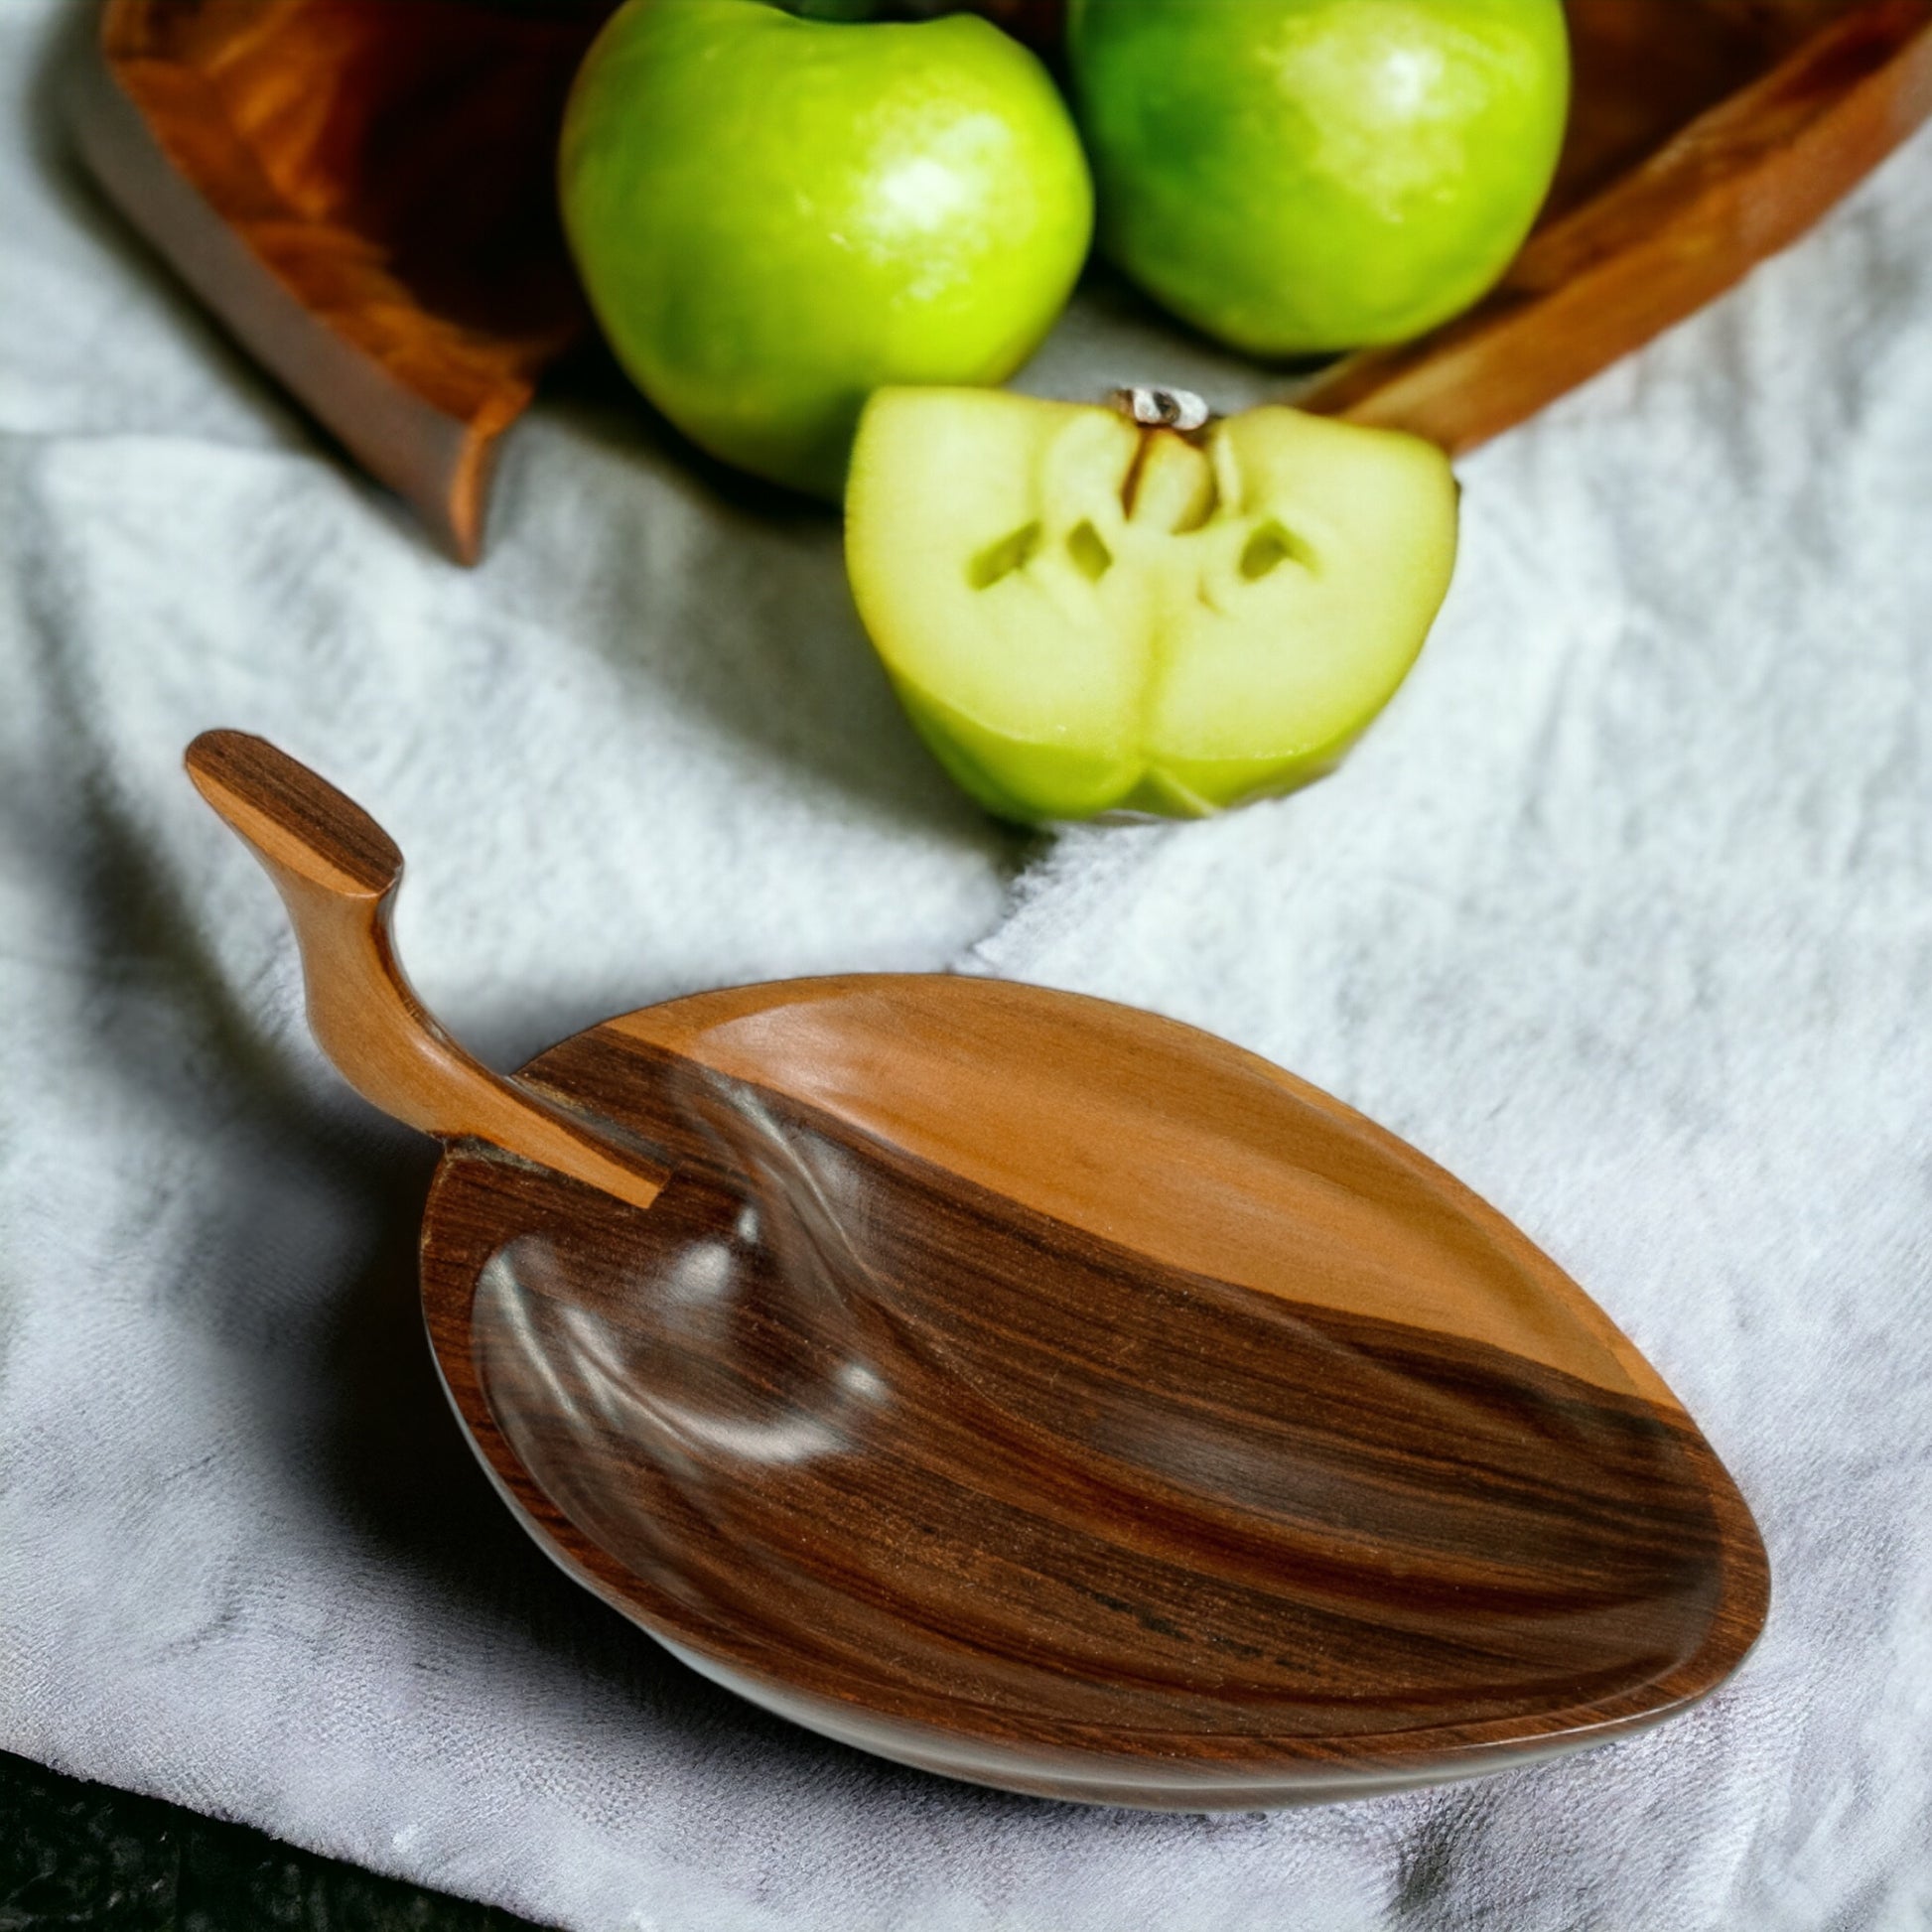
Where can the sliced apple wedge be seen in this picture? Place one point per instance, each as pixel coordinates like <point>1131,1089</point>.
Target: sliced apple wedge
<point>1082,614</point>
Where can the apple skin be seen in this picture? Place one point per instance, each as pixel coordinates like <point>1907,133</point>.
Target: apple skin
<point>1303,176</point>
<point>774,217</point>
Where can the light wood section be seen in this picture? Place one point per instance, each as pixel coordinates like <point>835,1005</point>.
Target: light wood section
<point>1161,1138</point>
<point>336,871</point>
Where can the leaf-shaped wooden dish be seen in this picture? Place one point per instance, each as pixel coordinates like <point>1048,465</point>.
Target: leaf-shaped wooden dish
<point>363,192</point>
<point>1026,1388</point>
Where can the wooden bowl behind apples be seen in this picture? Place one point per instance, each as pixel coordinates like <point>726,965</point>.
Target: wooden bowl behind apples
<point>294,160</point>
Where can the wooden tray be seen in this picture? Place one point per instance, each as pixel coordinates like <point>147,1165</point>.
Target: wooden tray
<point>361,191</point>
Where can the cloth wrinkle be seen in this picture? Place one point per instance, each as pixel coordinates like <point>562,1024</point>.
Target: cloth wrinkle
<point>1622,911</point>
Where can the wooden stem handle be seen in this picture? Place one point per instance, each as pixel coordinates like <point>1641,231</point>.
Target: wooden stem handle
<point>338,870</point>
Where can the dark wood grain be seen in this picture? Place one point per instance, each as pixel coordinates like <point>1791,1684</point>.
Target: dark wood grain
<point>990,1491</point>
<point>241,773</point>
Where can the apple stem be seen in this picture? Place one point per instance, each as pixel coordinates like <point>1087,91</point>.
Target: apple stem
<point>1175,409</point>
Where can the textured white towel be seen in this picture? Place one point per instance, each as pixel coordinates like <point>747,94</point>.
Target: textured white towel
<point>1624,913</point>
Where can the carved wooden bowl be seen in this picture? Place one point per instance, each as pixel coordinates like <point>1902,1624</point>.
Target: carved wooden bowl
<point>361,191</point>
<point>1026,1388</point>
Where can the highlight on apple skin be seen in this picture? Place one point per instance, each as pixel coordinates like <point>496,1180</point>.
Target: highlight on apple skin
<point>1304,176</point>
<point>1084,614</point>
<point>774,215</point>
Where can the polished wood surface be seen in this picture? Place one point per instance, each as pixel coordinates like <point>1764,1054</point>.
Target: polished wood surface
<point>1031,1389</point>
<point>338,870</point>
<point>363,190</point>
<point>937,1068</point>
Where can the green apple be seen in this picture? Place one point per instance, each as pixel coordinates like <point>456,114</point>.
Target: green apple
<point>1294,176</point>
<point>775,215</point>
<point>1082,614</point>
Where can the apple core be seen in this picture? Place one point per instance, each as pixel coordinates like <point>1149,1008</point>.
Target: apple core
<point>1083,614</point>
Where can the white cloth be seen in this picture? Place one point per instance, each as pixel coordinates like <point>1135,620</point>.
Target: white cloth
<point>1623,911</point>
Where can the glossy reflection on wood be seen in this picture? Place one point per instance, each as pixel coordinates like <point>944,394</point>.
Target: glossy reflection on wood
<point>363,190</point>
<point>1028,1388</point>
<point>1024,1496</point>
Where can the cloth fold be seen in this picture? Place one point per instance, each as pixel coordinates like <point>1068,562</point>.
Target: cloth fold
<point>1623,912</point>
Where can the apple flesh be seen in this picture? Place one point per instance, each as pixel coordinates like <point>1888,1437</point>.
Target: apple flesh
<point>775,215</point>
<point>1294,176</point>
<point>1084,615</point>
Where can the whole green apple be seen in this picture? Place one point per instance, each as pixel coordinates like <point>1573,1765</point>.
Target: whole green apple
<point>1294,176</point>
<point>775,215</point>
